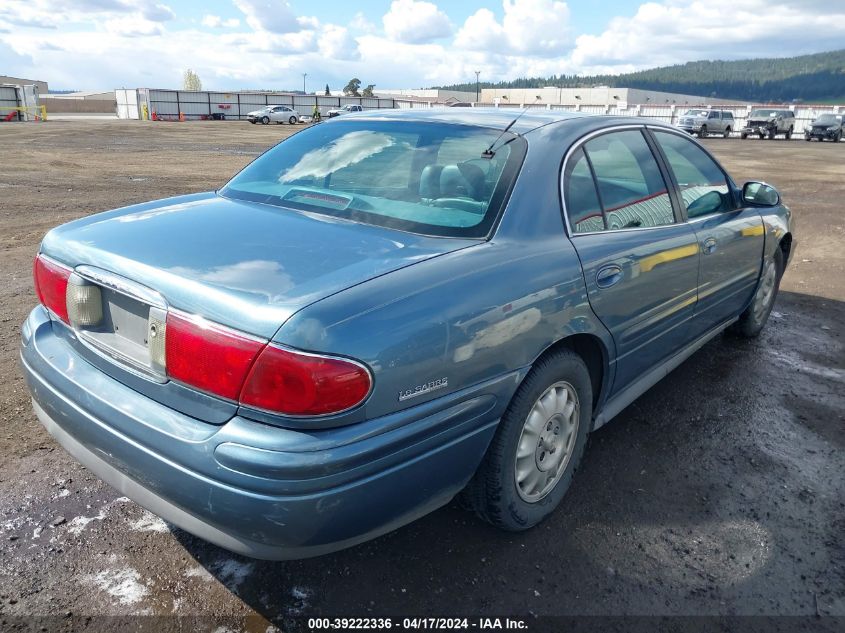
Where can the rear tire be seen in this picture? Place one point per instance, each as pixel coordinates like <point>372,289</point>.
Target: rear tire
<point>743,135</point>
<point>752,321</point>
<point>838,137</point>
<point>538,445</point>
<point>292,120</point>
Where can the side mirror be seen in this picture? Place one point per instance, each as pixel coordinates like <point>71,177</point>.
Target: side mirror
<point>760,194</point>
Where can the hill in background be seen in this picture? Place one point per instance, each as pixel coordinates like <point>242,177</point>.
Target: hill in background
<point>810,78</point>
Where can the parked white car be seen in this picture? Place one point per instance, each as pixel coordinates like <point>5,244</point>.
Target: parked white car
<point>277,114</point>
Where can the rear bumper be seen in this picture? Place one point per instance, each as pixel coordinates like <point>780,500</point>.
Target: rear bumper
<point>255,489</point>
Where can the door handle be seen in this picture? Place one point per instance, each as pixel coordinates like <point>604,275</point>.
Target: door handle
<point>609,275</point>
<point>708,245</point>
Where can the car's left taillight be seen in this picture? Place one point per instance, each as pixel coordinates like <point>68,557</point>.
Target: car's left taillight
<point>51,279</point>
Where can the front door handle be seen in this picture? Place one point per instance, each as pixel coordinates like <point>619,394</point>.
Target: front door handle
<point>708,245</point>
<point>608,275</point>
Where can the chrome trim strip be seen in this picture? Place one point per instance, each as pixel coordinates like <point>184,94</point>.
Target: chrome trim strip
<point>122,285</point>
<point>125,362</point>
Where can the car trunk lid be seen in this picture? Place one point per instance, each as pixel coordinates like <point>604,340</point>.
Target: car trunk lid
<point>244,265</point>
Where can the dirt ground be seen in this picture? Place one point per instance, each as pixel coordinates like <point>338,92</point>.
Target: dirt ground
<point>719,492</point>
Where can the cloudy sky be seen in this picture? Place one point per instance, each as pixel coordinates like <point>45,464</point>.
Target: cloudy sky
<point>236,44</point>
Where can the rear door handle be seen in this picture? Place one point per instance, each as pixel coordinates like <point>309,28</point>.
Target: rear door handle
<point>708,245</point>
<point>608,275</point>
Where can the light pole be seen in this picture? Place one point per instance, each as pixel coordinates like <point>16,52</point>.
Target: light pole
<point>304,75</point>
<point>477,73</point>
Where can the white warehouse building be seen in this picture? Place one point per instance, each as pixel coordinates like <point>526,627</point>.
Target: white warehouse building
<point>597,96</point>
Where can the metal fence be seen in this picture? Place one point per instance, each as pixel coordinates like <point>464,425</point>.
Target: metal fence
<point>804,114</point>
<point>170,104</point>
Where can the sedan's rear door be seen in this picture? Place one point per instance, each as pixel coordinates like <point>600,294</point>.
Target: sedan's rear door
<point>640,262</point>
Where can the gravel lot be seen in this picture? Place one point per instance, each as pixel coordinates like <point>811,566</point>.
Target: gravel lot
<point>719,492</point>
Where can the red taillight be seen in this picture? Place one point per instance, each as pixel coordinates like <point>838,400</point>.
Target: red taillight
<point>293,383</point>
<point>208,356</point>
<point>51,285</point>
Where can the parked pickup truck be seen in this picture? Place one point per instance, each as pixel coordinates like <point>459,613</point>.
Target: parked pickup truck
<point>704,122</point>
<point>769,123</point>
<point>349,107</point>
<point>383,312</point>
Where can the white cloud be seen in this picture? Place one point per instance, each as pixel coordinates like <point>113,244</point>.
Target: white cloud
<point>133,26</point>
<point>659,32</point>
<point>274,17</point>
<point>216,22</point>
<point>415,22</point>
<point>335,42</point>
<point>539,27</point>
<point>360,24</point>
<point>157,12</point>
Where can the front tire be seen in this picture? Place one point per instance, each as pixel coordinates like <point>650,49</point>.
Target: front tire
<point>789,134</point>
<point>752,321</point>
<point>292,120</point>
<point>726,133</point>
<point>743,135</point>
<point>702,133</point>
<point>538,446</point>
<point>265,120</point>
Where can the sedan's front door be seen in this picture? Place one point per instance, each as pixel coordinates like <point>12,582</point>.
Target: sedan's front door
<point>730,237</point>
<point>640,264</point>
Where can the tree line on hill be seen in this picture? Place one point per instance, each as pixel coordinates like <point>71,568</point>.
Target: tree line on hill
<point>817,77</point>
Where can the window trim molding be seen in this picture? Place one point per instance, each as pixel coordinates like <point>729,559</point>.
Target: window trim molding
<point>665,174</point>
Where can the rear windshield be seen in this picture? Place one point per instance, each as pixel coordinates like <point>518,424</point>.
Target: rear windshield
<point>427,178</point>
<point>767,114</point>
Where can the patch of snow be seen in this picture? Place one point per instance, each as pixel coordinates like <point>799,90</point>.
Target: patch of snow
<point>123,584</point>
<point>232,573</point>
<point>199,572</point>
<point>77,524</point>
<point>148,522</point>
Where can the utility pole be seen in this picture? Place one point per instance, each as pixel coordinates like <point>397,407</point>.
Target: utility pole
<point>477,73</point>
<point>304,75</point>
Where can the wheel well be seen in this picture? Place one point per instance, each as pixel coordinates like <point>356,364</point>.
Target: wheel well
<point>592,352</point>
<point>786,246</point>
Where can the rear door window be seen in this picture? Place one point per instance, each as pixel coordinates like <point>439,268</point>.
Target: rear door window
<point>631,189</point>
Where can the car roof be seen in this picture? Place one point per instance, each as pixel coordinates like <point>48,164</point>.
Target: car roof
<point>497,118</point>
<point>500,118</point>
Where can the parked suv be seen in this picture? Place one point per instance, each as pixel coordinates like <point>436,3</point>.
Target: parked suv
<point>830,126</point>
<point>767,122</point>
<point>704,122</point>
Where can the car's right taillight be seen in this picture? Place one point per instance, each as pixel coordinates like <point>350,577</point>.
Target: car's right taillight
<point>51,279</point>
<point>259,374</point>
<point>295,383</point>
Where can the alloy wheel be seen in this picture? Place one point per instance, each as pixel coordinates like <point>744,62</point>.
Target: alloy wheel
<point>547,441</point>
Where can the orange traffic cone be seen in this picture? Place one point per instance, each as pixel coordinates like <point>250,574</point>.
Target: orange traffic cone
<point>181,116</point>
